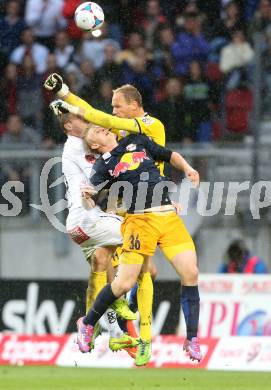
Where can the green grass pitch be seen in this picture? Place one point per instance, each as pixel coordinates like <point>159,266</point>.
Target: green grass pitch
<point>58,378</point>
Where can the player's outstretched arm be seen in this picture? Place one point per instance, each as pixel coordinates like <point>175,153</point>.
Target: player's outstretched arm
<point>55,83</point>
<point>177,161</point>
<point>160,153</point>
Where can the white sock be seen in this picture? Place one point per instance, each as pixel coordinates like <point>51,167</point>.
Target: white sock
<point>111,322</point>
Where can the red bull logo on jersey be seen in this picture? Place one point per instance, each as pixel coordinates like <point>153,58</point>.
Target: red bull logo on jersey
<point>128,162</point>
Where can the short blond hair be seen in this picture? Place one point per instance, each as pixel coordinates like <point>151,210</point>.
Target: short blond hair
<point>86,136</point>
<point>130,93</point>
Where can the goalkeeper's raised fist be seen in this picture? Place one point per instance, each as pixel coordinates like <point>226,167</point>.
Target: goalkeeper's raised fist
<point>55,83</point>
<point>60,107</point>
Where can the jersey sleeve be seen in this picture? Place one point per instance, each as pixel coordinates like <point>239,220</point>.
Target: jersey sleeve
<point>157,152</point>
<point>77,101</point>
<point>102,119</point>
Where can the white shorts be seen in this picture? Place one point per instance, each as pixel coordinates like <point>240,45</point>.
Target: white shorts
<point>92,234</point>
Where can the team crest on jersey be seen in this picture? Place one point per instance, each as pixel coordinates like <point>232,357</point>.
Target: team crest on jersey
<point>147,120</point>
<point>131,147</point>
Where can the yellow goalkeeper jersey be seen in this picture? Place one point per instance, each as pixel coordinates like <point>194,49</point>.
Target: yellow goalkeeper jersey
<point>147,125</point>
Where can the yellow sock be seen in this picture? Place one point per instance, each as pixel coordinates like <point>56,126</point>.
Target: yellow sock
<point>144,300</point>
<point>97,280</point>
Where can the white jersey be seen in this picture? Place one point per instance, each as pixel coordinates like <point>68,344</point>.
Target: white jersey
<point>92,228</point>
<point>77,163</point>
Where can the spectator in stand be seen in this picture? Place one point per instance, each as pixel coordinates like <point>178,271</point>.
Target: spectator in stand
<point>261,19</point>
<point>8,93</point>
<point>38,52</point>
<point>73,76</point>
<point>231,21</point>
<point>240,260</point>
<point>93,48</point>
<point>68,10</point>
<point>134,41</point>
<point>89,81</point>
<point>29,94</point>
<point>103,98</point>
<point>140,75</point>
<point>153,18</point>
<point>162,51</point>
<point>110,69</point>
<point>197,98</point>
<point>63,49</point>
<point>235,58</point>
<point>18,136</point>
<point>172,111</point>
<point>45,18</point>
<point>190,45</point>
<point>11,27</point>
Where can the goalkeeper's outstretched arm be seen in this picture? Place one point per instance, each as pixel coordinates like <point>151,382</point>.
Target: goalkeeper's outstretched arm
<point>55,83</point>
<point>100,118</point>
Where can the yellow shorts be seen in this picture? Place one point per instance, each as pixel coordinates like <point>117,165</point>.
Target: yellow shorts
<point>116,257</point>
<point>143,232</point>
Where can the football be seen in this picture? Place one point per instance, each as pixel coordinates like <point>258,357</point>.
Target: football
<point>89,16</point>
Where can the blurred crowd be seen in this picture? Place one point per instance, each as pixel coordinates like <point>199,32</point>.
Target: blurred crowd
<point>191,60</point>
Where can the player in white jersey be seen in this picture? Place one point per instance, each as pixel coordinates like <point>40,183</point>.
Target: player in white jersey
<point>97,233</point>
<point>87,224</point>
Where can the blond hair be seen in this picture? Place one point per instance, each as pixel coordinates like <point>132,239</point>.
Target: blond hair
<point>86,136</point>
<point>130,93</point>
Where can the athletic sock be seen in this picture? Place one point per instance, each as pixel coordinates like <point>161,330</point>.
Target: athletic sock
<point>97,280</point>
<point>122,324</point>
<point>104,299</point>
<point>190,306</point>
<point>133,299</point>
<point>111,322</point>
<point>144,299</point>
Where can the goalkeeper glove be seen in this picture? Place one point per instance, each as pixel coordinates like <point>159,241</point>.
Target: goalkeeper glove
<point>60,107</point>
<point>55,83</point>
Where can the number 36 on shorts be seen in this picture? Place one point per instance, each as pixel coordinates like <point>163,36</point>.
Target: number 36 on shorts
<point>135,242</point>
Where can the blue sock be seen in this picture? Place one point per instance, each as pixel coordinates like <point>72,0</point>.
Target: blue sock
<point>104,299</point>
<point>133,299</point>
<point>190,305</point>
<point>122,324</point>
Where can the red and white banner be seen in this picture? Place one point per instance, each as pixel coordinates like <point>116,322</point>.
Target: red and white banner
<point>234,305</point>
<point>229,353</point>
<point>242,353</point>
<point>24,349</point>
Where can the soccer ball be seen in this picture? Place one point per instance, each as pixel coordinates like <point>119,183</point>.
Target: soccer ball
<point>89,16</point>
